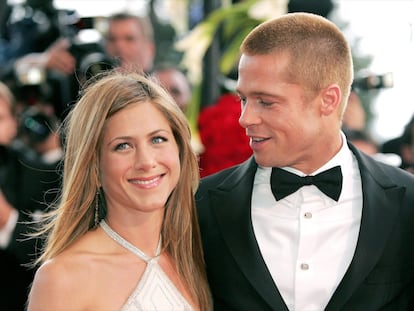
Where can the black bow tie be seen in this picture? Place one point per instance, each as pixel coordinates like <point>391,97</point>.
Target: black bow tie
<point>284,183</point>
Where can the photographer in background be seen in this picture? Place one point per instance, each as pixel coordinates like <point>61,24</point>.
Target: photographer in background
<point>26,185</point>
<point>130,40</point>
<point>34,55</point>
<point>38,136</point>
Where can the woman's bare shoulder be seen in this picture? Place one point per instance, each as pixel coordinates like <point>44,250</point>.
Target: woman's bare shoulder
<point>82,276</point>
<point>55,285</point>
<point>58,280</point>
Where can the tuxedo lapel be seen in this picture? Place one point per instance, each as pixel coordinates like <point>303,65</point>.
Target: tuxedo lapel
<point>231,203</point>
<point>379,214</point>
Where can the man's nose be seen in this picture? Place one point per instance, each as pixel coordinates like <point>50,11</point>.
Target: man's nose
<point>248,115</point>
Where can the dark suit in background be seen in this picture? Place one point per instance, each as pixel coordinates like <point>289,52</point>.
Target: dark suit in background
<point>29,186</point>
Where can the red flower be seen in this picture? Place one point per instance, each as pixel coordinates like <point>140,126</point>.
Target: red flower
<point>224,140</point>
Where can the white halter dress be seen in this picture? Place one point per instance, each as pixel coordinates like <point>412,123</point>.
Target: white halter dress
<point>155,291</point>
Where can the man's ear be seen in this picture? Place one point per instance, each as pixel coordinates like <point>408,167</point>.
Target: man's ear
<point>331,98</point>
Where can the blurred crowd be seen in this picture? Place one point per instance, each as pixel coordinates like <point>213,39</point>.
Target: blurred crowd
<point>398,151</point>
<point>42,67</point>
<point>43,64</point>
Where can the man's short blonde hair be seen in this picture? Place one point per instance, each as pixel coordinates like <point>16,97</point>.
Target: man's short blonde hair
<point>318,51</point>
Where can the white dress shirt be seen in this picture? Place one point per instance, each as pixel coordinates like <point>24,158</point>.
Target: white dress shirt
<point>307,240</point>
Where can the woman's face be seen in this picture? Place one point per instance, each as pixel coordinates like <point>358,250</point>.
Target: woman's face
<point>140,163</point>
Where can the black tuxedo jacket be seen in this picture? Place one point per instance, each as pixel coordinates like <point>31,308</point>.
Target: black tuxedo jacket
<point>380,276</point>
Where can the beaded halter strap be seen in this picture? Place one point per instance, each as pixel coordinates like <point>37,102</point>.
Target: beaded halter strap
<point>155,291</point>
<point>120,240</point>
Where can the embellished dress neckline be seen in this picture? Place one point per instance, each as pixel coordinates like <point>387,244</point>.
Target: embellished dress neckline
<point>155,291</point>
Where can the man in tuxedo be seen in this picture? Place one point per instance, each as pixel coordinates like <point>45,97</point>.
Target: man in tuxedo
<point>309,222</point>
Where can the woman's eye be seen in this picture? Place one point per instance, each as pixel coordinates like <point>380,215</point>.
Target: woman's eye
<point>122,146</point>
<point>158,140</point>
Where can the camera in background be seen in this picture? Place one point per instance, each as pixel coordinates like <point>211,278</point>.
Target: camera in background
<point>368,81</point>
<point>36,25</point>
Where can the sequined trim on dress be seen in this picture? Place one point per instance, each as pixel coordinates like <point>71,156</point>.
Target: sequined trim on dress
<point>155,291</point>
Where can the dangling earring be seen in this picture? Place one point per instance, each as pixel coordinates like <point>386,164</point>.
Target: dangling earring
<point>97,208</point>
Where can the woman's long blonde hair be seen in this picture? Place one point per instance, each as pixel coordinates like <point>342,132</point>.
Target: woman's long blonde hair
<point>83,130</point>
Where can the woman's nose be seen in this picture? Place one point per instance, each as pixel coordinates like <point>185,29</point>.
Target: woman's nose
<point>145,159</point>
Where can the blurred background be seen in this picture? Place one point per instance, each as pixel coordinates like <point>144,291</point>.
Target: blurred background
<point>386,33</point>
<point>380,32</point>
<point>379,29</point>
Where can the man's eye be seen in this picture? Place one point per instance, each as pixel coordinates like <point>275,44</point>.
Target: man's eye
<point>243,100</point>
<point>175,91</point>
<point>263,103</point>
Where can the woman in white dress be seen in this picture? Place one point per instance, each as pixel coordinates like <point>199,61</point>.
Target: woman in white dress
<point>124,234</point>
